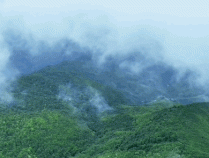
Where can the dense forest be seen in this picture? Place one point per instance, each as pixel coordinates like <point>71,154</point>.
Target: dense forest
<point>62,112</point>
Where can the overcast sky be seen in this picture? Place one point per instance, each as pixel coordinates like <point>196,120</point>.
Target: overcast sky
<point>180,26</point>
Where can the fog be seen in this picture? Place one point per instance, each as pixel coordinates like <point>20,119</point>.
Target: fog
<point>35,34</point>
<point>82,99</point>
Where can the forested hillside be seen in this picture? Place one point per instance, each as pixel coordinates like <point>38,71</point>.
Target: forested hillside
<point>62,112</point>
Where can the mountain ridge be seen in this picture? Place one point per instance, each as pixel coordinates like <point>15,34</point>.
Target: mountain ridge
<point>60,111</point>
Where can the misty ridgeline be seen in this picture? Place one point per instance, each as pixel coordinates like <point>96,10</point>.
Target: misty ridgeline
<point>137,73</point>
<point>62,99</point>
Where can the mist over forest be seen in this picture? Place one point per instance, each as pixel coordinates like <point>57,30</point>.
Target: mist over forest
<point>162,49</point>
<point>104,79</point>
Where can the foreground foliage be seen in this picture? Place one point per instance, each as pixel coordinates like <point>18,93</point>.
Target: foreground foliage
<point>178,131</point>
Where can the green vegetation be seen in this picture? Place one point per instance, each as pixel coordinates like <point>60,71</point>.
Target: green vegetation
<point>44,134</point>
<point>43,123</point>
<point>39,91</point>
<point>178,131</point>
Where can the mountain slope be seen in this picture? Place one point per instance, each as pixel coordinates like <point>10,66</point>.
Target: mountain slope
<point>62,112</point>
<point>43,89</point>
<point>178,131</point>
<point>158,80</point>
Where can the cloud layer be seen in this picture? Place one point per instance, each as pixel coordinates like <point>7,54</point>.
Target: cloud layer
<point>39,33</point>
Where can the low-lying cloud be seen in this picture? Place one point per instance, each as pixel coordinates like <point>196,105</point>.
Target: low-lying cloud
<point>7,73</point>
<point>83,98</point>
<point>133,35</point>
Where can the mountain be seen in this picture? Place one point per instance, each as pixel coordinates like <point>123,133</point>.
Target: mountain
<point>140,77</point>
<point>153,82</point>
<point>77,109</point>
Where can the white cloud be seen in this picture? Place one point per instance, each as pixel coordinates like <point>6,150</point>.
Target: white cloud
<point>6,73</point>
<point>180,26</point>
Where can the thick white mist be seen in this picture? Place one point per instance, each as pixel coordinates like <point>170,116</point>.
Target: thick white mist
<point>175,32</point>
<point>7,74</point>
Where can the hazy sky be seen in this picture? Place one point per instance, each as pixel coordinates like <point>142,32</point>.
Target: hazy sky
<point>180,26</point>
